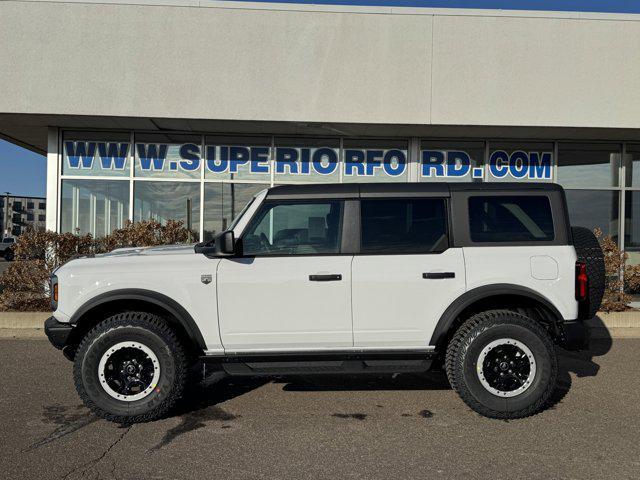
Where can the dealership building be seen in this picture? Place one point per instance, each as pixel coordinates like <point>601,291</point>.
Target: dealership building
<point>186,108</point>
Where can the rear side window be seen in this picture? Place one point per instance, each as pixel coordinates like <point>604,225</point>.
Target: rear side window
<point>510,219</point>
<point>396,226</point>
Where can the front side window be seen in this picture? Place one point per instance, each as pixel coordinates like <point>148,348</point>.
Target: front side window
<point>301,228</point>
<point>396,226</point>
<point>510,219</point>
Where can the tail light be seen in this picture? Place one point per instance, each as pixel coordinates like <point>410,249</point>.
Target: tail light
<point>582,282</point>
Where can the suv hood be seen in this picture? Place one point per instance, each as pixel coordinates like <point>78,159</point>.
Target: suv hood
<point>161,250</point>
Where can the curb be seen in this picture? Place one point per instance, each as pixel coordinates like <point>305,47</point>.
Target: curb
<point>23,320</point>
<point>604,325</point>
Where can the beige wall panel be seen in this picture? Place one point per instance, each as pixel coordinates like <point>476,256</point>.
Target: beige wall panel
<point>159,61</point>
<point>536,72</point>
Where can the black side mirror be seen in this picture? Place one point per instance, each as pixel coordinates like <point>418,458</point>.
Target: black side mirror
<point>226,243</point>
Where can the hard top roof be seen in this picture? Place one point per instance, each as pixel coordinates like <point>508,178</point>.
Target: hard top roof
<point>371,190</point>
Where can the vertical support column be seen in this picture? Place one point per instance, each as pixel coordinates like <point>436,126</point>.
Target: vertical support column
<point>132,159</point>
<point>202,172</point>
<point>413,160</point>
<point>53,179</point>
<point>487,169</point>
<point>75,209</point>
<point>107,215</point>
<point>554,166</point>
<point>93,214</point>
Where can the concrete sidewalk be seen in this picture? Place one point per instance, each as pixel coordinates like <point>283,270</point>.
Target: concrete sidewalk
<point>604,325</point>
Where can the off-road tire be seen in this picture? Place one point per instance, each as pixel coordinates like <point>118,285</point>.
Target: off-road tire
<point>589,251</point>
<point>473,336</point>
<point>153,332</point>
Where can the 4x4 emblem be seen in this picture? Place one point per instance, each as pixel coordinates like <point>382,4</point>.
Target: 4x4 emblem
<point>206,279</point>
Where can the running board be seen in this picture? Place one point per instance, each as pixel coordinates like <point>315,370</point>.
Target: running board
<point>314,364</point>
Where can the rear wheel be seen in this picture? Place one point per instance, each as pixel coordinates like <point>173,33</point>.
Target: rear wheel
<point>502,364</point>
<point>130,368</point>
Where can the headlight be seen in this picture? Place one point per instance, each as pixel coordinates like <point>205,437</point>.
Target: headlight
<point>54,292</point>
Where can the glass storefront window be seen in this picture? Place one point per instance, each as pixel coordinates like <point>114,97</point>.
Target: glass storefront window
<point>375,161</point>
<point>632,164</point>
<point>583,165</point>
<point>447,161</point>
<point>96,154</point>
<point>164,201</point>
<point>167,155</point>
<point>223,202</point>
<point>632,226</point>
<point>594,209</point>
<point>520,162</point>
<point>314,160</point>
<point>94,206</point>
<point>237,158</point>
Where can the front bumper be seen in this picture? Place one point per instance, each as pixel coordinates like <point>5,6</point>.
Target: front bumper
<point>574,335</point>
<point>58,333</point>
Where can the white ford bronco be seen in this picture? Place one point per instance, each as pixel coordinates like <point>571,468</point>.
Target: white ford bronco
<point>347,278</point>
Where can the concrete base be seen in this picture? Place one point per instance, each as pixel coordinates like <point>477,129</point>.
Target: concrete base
<point>604,325</point>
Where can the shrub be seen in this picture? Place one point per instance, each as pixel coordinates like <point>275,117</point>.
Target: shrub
<point>24,285</point>
<point>620,277</point>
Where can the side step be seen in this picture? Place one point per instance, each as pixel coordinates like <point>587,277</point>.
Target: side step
<point>314,364</point>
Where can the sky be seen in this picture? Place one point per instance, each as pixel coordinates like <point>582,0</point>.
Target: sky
<point>22,172</point>
<point>609,6</point>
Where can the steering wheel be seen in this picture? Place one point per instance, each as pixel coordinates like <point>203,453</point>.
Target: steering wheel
<point>264,241</point>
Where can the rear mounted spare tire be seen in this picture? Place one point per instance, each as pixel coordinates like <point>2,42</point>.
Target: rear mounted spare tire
<point>589,251</point>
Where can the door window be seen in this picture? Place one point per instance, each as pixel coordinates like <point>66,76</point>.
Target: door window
<point>396,226</point>
<point>295,229</point>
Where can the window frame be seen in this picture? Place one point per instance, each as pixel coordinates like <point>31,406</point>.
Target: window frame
<point>271,203</point>
<point>448,225</point>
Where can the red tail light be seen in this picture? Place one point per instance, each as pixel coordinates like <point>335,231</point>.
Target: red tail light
<point>582,281</point>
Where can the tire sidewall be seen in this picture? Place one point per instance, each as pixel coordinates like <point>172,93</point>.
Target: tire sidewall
<point>90,359</point>
<point>543,358</point>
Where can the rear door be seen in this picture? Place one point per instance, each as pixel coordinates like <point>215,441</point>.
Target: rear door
<point>291,287</point>
<point>405,275</point>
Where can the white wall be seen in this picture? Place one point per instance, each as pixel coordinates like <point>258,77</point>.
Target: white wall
<point>414,66</point>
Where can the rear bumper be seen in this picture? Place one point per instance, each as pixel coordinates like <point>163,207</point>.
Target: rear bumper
<point>574,335</point>
<point>58,333</point>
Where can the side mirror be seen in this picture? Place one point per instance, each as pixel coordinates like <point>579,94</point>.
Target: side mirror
<point>226,243</point>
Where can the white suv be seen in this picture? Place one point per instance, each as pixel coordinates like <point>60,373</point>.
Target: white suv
<point>327,279</point>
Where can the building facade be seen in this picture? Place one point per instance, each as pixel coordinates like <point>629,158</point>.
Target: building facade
<point>17,214</point>
<point>185,109</point>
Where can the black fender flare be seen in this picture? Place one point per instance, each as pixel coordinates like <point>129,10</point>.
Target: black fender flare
<point>170,305</point>
<point>468,298</point>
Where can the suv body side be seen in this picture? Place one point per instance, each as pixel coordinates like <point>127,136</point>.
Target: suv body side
<point>385,300</point>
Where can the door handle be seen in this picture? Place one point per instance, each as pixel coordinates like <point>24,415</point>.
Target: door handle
<point>435,275</point>
<point>332,277</point>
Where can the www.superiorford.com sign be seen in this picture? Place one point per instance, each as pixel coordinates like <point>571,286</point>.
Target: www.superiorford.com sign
<point>300,161</point>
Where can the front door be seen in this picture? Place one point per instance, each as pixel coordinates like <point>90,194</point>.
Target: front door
<point>290,289</point>
<point>405,276</point>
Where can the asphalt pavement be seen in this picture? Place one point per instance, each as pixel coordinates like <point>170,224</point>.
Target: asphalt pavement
<point>411,426</point>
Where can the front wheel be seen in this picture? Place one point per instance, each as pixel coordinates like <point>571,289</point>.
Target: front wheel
<point>502,364</point>
<point>130,368</point>
<point>9,255</point>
